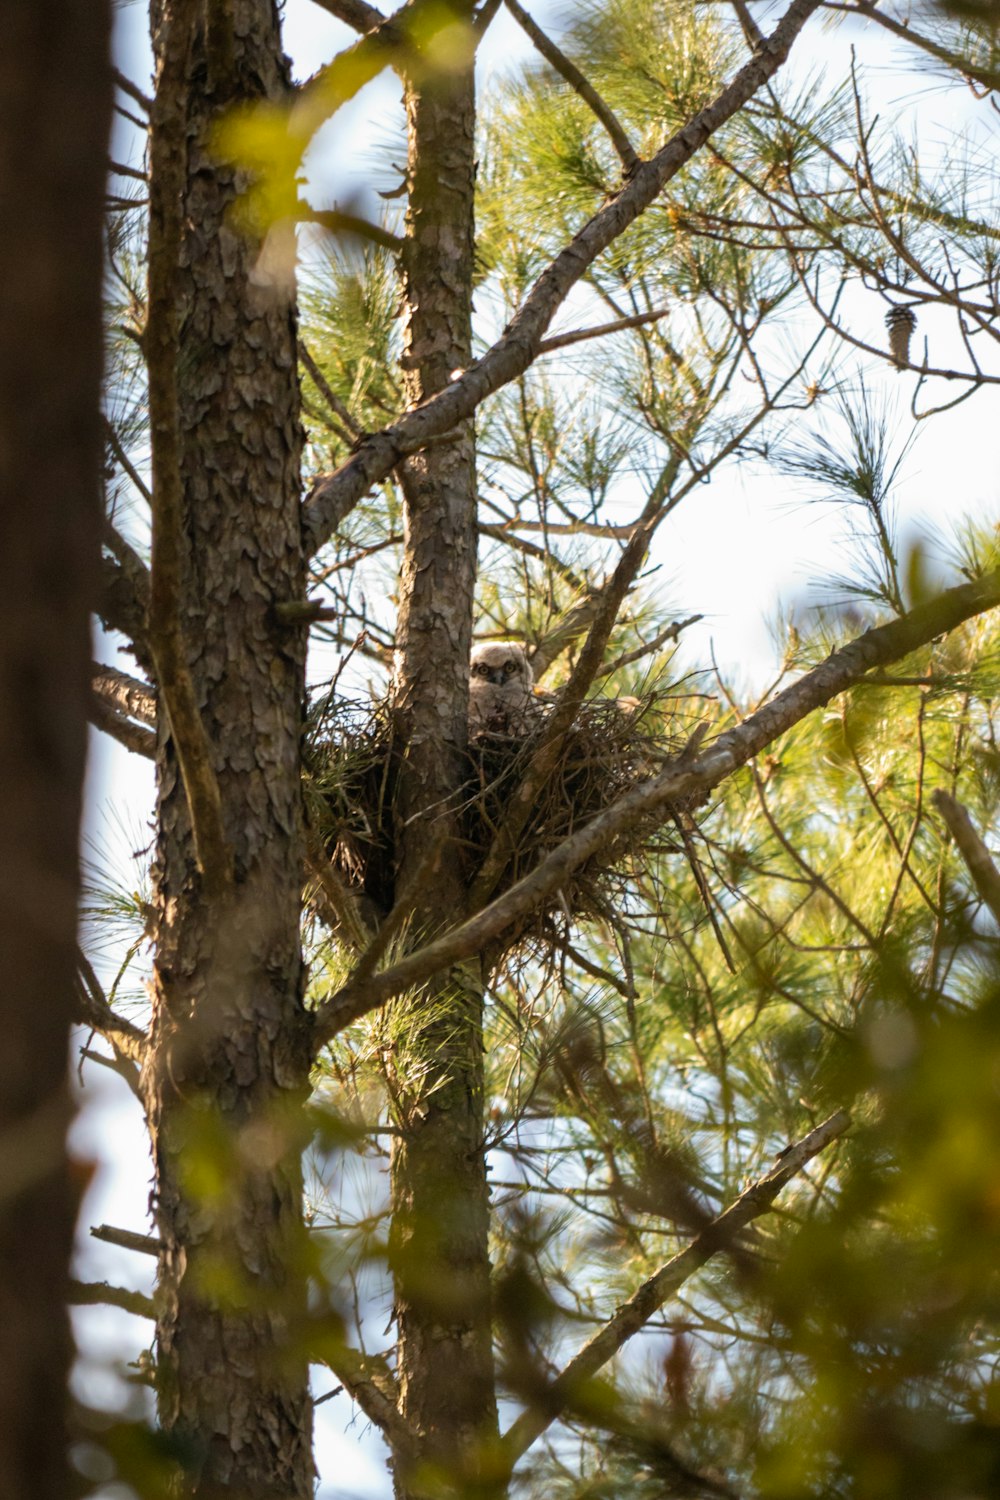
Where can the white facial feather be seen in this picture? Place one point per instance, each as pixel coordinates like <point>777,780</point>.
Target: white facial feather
<point>500,696</point>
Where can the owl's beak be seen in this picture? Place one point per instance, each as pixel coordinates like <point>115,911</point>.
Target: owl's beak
<point>496,676</point>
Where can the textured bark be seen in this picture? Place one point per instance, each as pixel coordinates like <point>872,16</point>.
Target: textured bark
<point>439,1243</point>
<point>55,109</point>
<point>228,1062</point>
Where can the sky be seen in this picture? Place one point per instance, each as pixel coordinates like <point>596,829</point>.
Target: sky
<point>744,548</point>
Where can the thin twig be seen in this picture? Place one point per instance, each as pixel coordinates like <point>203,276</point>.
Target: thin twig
<point>568,70</point>
<point>330,396</point>
<point>637,320</point>
<point>125,462</point>
<point>671,632</point>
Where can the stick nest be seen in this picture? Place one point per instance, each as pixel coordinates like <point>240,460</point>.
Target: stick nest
<point>351,759</point>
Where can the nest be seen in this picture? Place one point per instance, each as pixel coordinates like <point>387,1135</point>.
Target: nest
<point>351,759</point>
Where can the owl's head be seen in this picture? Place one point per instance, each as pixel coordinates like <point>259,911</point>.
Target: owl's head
<point>501,663</point>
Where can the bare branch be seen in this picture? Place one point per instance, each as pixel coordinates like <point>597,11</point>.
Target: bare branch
<point>720,1234</point>
<point>564,340</point>
<point>978,860</point>
<point>135,737</point>
<point>963,66</point>
<point>330,396</point>
<point>126,694</point>
<point>676,782</point>
<point>580,85</point>
<point>356,13</point>
<point>94,1010</point>
<point>751,31</point>
<point>133,90</point>
<point>671,632</point>
<point>127,1239</point>
<point>124,462</point>
<point>102,1294</point>
<point>120,1066</point>
<point>336,222</point>
<point>333,497</point>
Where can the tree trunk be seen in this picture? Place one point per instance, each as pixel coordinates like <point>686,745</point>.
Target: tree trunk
<point>55,110</point>
<point>439,1241</point>
<point>228,1065</point>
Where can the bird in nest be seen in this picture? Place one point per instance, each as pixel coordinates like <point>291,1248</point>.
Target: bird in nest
<point>502,697</point>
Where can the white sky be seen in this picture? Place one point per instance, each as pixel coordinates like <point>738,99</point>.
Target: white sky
<point>737,549</point>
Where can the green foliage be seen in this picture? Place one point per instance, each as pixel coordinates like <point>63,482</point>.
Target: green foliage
<point>807,940</point>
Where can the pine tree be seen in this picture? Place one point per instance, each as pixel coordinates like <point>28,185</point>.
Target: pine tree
<point>558,1016</point>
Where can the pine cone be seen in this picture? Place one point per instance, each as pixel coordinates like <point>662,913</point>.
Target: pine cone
<point>900,321</point>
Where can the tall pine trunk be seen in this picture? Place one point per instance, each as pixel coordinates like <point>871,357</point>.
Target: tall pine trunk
<point>228,1063</point>
<point>440,1201</point>
<point>55,111</point>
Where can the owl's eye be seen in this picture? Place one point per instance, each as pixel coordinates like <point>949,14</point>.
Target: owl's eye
<point>509,668</point>
<point>481,671</point>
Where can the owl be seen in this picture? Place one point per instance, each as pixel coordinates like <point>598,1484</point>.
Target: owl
<point>501,698</point>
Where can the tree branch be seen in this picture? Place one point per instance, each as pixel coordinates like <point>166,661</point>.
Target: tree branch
<point>356,13</point>
<point>564,340</point>
<point>93,1010</point>
<point>679,781</point>
<point>101,1293</point>
<point>580,85</point>
<point>964,66</point>
<point>650,1297</point>
<point>329,395</point>
<point>136,738</point>
<point>336,222</point>
<point>127,1239</point>
<point>126,694</point>
<point>978,860</point>
<point>334,496</point>
<point>132,89</point>
<point>370,1383</point>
